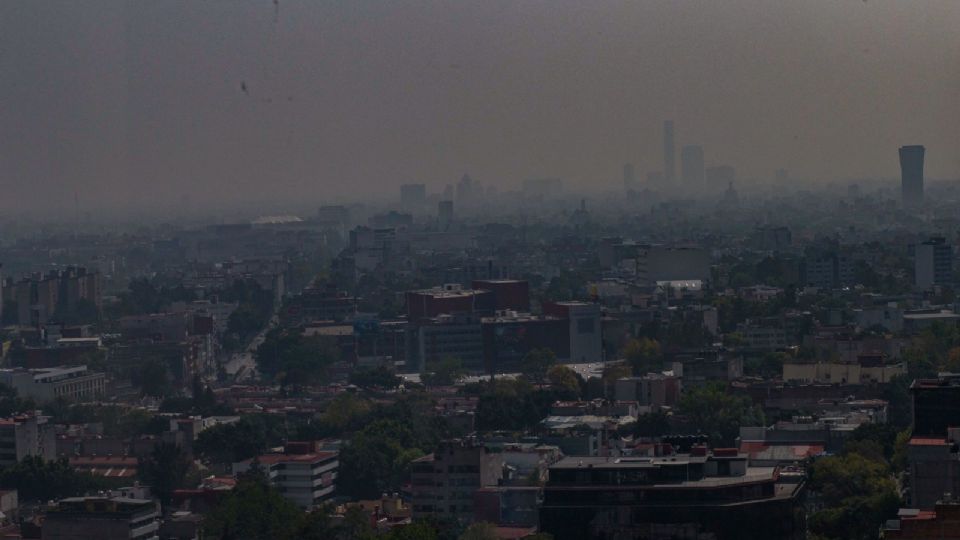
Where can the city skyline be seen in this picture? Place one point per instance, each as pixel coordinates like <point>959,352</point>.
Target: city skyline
<point>135,105</point>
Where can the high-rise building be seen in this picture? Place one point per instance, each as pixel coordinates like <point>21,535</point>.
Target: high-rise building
<point>465,190</point>
<point>413,195</point>
<point>444,215</point>
<point>629,177</point>
<point>911,174</point>
<point>933,263</point>
<point>691,166</point>
<point>669,169</point>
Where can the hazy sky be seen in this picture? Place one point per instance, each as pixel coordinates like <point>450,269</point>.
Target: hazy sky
<point>142,101</point>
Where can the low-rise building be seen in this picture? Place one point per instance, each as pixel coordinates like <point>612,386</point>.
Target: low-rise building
<point>687,496</point>
<point>102,518</point>
<point>75,383</point>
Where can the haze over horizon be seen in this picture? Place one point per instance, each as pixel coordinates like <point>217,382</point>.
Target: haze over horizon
<point>141,103</point>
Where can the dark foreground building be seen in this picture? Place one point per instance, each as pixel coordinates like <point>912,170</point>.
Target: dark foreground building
<point>698,496</point>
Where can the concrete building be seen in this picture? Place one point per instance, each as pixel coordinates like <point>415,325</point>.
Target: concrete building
<point>443,484</point>
<point>586,339</point>
<point>26,435</point>
<point>911,175</point>
<point>936,405</point>
<point>102,518</point>
<point>942,523</point>
<point>868,369</point>
<point>444,215</point>
<point>75,383</point>
<point>686,496</point>
<point>933,263</point>
<point>692,167</point>
<point>669,161</point>
<point>306,479</point>
<point>654,390</point>
<point>934,467</point>
<point>447,336</point>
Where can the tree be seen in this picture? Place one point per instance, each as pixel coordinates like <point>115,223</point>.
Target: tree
<point>445,372</point>
<point>374,377</point>
<point>643,355</point>
<point>39,480</point>
<point>857,494</point>
<point>480,531</point>
<point>165,471</point>
<point>346,412</point>
<point>244,439</point>
<point>536,363</point>
<point>254,511</point>
<point>376,459</point>
<point>418,530</point>
<point>714,412</point>
<point>566,381</point>
<point>294,360</point>
<point>652,425</point>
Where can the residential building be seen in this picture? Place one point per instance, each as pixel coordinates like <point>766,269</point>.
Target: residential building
<point>25,435</point>
<point>934,468</point>
<point>307,479</point>
<point>102,518</point>
<point>941,523</point>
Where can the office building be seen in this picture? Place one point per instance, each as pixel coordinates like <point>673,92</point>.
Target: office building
<point>687,496</point>
<point>692,166</point>
<point>452,298</point>
<point>669,162</point>
<point>911,174</point>
<point>102,518</point>
<point>443,337</point>
<point>465,190</point>
<point>75,383</point>
<point>583,321</point>
<point>933,263</point>
<point>443,484</point>
<point>444,215</point>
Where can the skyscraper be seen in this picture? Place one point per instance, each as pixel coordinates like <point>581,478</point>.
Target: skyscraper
<point>911,174</point>
<point>444,215</point>
<point>669,169</point>
<point>691,166</point>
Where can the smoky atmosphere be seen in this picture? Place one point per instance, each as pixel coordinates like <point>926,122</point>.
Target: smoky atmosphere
<point>152,105</point>
<point>480,270</point>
